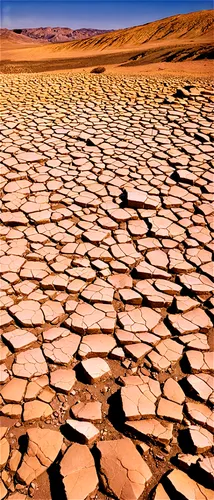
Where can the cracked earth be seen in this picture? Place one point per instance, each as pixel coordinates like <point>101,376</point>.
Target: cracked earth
<point>106,288</point>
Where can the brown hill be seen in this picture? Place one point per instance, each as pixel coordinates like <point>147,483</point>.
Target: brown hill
<point>9,39</point>
<point>183,27</point>
<point>58,34</point>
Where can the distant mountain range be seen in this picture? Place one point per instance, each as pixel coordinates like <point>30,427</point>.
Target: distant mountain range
<point>58,35</point>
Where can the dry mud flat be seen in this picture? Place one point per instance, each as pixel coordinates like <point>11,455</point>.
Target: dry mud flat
<point>106,288</point>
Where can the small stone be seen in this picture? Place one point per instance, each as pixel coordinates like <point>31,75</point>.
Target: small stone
<point>13,391</point>
<point>137,351</point>
<point>139,400</point>
<point>201,439</point>
<point>36,410</point>
<point>199,361</point>
<point>182,485</point>
<point>28,313</point>
<point>11,410</point>
<point>15,459</point>
<point>143,447</point>
<point>61,351</point>
<point>87,411</point>
<point>123,471</point>
<point>206,469</point>
<point>4,452</point>
<point>201,414</point>
<point>169,409</point>
<point>173,391</point>
<point>95,369</point>
<point>151,428</point>
<point>78,471</point>
<point>3,490</point>
<point>43,448</point>
<point>186,461</point>
<point>63,380</point>
<point>160,493</point>
<point>19,339</point>
<point>86,432</point>
<point>96,345</point>
<point>30,363</point>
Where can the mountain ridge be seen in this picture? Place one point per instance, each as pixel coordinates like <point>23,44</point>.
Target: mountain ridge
<point>191,26</point>
<point>59,34</point>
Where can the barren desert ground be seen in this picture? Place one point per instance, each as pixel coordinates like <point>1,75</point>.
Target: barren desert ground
<point>106,278</point>
<point>106,287</point>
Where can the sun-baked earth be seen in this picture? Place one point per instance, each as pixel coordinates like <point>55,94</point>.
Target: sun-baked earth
<point>106,288</point>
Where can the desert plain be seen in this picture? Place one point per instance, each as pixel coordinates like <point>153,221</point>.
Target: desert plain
<point>106,277</point>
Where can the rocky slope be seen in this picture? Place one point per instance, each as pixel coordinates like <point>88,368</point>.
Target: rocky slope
<point>58,34</point>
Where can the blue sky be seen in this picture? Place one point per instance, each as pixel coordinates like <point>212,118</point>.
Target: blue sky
<point>103,14</point>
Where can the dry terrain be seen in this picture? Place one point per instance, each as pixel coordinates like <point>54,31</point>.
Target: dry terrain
<point>183,38</point>
<point>106,271</point>
<point>106,287</point>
